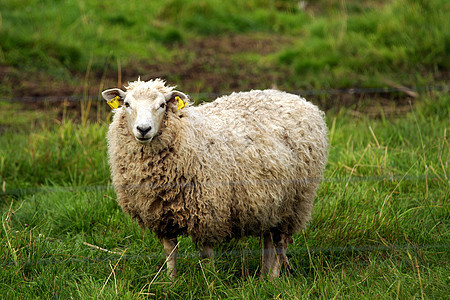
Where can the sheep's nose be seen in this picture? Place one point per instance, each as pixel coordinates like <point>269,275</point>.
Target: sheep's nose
<point>143,130</point>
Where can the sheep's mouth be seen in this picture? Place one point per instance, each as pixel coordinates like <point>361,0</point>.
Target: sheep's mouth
<point>144,140</point>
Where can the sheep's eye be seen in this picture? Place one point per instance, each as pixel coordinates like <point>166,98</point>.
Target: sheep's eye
<point>127,104</point>
<point>163,105</point>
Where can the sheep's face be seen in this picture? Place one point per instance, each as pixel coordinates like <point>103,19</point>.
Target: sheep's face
<point>145,112</point>
<point>145,115</point>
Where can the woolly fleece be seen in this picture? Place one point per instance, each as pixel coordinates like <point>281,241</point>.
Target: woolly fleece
<point>245,164</point>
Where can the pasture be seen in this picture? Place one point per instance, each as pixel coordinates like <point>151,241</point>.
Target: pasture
<point>380,225</point>
<point>380,222</point>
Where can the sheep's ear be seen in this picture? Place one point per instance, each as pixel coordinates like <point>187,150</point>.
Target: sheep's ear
<point>177,98</point>
<point>114,97</point>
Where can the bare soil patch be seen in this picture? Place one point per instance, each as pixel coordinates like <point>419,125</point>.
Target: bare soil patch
<point>220,64</point>
<point>207,64</point>
<point>213,65</point>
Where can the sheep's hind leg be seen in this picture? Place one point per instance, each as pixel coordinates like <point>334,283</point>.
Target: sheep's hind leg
<point>282,245</point>
<point>274,253</point>
<point>171,256</point>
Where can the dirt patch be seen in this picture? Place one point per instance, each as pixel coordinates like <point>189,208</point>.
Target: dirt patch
<point>207,64</point>
<point>220,64</point>
<point>20,84</point>
<point>212,65</point>
<point>232,44</point>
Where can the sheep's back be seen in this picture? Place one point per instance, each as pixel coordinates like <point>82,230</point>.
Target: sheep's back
<point>264,153</point>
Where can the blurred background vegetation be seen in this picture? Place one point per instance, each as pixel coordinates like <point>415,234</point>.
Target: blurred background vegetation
<point>71,47</point>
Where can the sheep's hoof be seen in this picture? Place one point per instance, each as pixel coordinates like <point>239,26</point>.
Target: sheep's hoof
<point>172,274</point>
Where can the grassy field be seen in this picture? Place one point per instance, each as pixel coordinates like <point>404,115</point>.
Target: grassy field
<point>74,46</point>
<point>380,227</point>
<point>381,217</point>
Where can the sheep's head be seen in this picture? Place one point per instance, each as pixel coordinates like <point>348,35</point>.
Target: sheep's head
<point>146,105</point>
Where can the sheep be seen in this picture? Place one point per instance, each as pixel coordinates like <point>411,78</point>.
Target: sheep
<point>246,164</point>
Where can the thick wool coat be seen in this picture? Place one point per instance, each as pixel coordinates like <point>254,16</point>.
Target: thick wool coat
<point>242,165</point>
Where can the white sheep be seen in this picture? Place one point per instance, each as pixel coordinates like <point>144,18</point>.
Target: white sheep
<point>247,164</point>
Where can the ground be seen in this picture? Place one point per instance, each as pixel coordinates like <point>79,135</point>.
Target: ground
<point>204,70</point>
<point>205,64</point>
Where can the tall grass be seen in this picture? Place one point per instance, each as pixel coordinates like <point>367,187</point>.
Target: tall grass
<point>67,154</point>
<point>380,226</point>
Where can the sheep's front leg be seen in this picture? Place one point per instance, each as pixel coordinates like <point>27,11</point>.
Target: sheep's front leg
<point>268,253</point>
<point>207,255</point>
<point>171,256</point>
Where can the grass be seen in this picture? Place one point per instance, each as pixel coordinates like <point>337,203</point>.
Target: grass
<point>329,43</point>
<point>381,217</point>
<point>45,31</point>
<point>381,45</point>
<point>380,227</point>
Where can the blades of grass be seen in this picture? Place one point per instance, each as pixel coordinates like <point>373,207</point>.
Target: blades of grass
<point>386,199</point>
<point>444,142</point>
<point>420,279</point>
<point>101,249</point>
<point>5,222</point>
<point>159,271</point>
<point>332,131</point>
<point>316,273</point>
<point>203,272</point>
<point>119,73</point>
<point>85,109</point>
<point>422,144</point>
<point>374,137</point>
<point>112,271</point>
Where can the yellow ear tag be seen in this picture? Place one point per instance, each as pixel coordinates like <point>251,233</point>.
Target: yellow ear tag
<point>180,103</point>
<point>114,102</point>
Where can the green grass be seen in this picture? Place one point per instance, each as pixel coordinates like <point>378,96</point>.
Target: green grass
<point>402,42</point>
<point>380,226</point>
<point>333,43</point>
<point>69,35</point>
<point>381,217</point>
